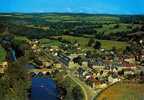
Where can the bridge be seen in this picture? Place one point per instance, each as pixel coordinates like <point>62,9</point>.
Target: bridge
<point>44,70</point>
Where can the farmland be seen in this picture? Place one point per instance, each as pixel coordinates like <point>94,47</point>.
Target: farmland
<point>107,44</point>
<point>123,91</point>
<point>37,25</point>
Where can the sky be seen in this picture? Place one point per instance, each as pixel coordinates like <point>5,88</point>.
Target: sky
<point>74,6</point>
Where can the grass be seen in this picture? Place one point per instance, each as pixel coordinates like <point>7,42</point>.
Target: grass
<point>107,44</point>
<point>123,91</point>
<point>22,38</point>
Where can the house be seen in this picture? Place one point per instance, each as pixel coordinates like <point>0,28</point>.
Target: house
<point>73,65</point>
<point>101,86</point>
<point>98,67</point>
<point>93,82</point>
<point>112,80</point>
<point>128,72</point>
<point>34,47</point>
<point>84,63</point>
<point>96,63</point>
<point>46,64</point>
<point>3,66</point>
<point>130,59</point>
<point>127,65</point>
<point>58,65</point>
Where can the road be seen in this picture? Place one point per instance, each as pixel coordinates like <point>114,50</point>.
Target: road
<point>88,91</point>
<point>82,87</point>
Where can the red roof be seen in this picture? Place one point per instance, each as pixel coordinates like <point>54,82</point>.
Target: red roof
<point>127,64</point>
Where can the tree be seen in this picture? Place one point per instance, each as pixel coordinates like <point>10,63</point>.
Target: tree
<point>91,42</point>
<point>3,88</point>
<point>121,73</point>
<point>78,60</point>
<point>142,28</point>
<point>13,84</point>
<point>77,93</point>
<point>114,49</point>
<point>141,77</point>
<point>38,62</point>
<point>128,49</point>
<point>60,38</point>
<point>97,45</point>
<point>89,54</point>
<point>116,26</point>
<point>62,91</point>
<point>17,78</point>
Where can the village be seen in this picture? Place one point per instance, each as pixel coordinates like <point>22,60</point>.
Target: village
<point>96,69</point>
<point>72,50</point>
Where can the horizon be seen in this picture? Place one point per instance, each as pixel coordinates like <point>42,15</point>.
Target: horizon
<point>75,13</point>
<point>119,7</point>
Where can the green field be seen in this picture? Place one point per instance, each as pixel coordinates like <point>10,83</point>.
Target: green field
<point>123,91</point>
<point>21,38</point>
<point>63,17</point>
<point>44,41</point>
<point>2,54</point>
<point>48,42</point>
<point>110,29</point>
<point>107,44</point>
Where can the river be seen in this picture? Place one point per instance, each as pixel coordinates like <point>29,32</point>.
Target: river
<point>44,89</point>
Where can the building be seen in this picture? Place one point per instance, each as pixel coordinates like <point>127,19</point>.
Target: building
<point>3,66</point>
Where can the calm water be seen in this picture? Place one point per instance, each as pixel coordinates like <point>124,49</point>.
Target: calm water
<point>44,89</point>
